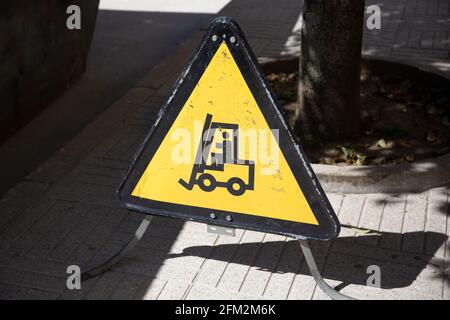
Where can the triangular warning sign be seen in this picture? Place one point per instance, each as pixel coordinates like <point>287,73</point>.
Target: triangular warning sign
<point>221,152</point>
<point>220,100</point>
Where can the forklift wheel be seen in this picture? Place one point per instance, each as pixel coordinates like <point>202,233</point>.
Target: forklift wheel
<point>233,182</point>
<point>207,182</point>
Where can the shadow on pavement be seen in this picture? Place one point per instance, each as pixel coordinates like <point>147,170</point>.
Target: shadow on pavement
<point>125,46</point>
<point>346,261</point>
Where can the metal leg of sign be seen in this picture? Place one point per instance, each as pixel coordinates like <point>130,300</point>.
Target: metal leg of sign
<point>332,293</point>
<point>105,266</point>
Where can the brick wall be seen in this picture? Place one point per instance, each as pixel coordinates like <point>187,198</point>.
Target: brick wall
<point>39,56</point>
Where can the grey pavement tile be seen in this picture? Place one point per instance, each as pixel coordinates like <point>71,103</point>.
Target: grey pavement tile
<point>237,269</point>
<point>149,269</point>
<point>129,287</point>
<point>392,221</point>
<point>104,286</point>
<point>336,201</point>
<point>446,293</point>
<point>33,280</point>
<point>174,290</point>
<point>16,227</point>
<point>414,223</point>
<point>151,289</point>
<point>14,292</point>
<point>98,237</point>
<point>283,276</point>
<point>223,251</point>
<point>201,291</point>
<point>78,294</point>
<point>266,262</point>
<point>304,286</point>
<point>46,233</point>
<point>412,281</point>
<point>20,197</point>
<point>349,214</point>
<point>36,265</point>
<point>78,234</point>
<point>371,218</point>
<point>388,255</point>
<point>436,222</point>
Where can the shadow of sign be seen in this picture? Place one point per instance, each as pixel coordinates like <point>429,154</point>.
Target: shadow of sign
<point>345,260</point>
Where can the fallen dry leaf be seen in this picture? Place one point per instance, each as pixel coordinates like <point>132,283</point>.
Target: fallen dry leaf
<point>431,136</point>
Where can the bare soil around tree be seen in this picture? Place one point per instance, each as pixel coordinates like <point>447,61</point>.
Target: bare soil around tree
<point>405,114</point>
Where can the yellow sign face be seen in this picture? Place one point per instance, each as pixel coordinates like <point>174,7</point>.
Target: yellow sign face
<point>221,154</point>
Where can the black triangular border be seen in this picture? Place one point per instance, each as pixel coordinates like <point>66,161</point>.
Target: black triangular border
<point>328,227</point>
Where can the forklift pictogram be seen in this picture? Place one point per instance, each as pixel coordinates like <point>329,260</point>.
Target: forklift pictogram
<point>204,173</point>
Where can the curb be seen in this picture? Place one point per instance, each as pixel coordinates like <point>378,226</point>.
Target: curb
<point>410,177</point>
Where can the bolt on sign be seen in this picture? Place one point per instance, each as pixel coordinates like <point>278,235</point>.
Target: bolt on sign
<point>222,153</point>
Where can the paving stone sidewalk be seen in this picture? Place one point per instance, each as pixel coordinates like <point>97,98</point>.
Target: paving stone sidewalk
<point>67,212</point>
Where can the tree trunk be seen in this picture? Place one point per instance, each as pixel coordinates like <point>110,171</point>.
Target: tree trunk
<point>330,67</point>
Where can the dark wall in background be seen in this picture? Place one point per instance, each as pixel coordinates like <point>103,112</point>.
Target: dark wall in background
<point>39,56</point>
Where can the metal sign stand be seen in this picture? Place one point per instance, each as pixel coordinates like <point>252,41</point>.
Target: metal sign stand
<point>140,231</point>
<point>329,291</point>
<point>108,264</point>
